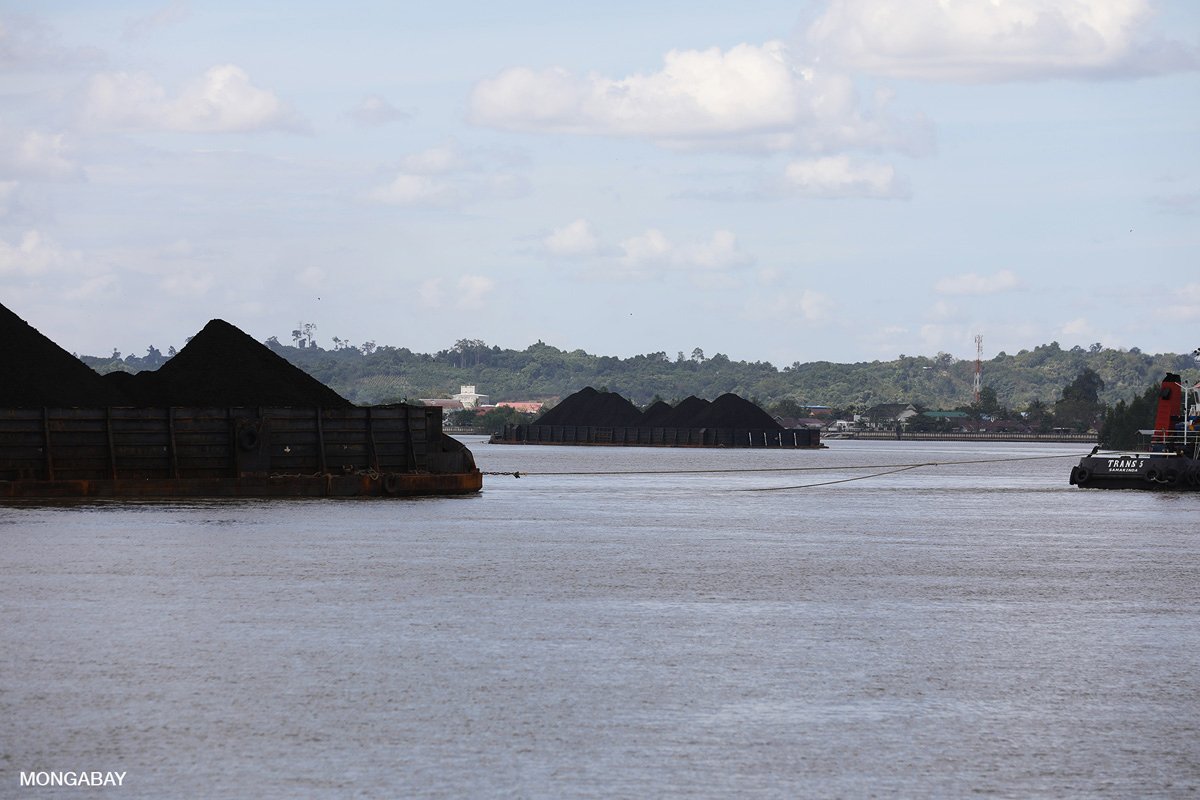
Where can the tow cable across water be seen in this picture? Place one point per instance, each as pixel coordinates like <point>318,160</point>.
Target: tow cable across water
<point>886,469</point>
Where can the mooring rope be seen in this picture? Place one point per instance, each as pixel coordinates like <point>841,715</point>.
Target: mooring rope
<point>888,469</point>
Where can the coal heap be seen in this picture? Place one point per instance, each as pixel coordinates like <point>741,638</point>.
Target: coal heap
<point>683,414</point>
<point>731,411</point>
<point>590,407</point>
<point>37,372</point>
<point>222,366</point>
<point>653,416</point>
<point>609,410</point>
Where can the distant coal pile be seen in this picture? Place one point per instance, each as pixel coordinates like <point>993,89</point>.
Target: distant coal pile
<point>37,372</point>
<point>683,415</point>
<point>731,411</point>
<point>590,407</point>
<point>222,366</point>
<point>654,414</point>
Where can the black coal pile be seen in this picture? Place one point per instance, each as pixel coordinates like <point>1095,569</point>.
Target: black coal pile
<point>37,372</point>
<point>606,409</point>
<point>683,414</point>
<point>654,414</point>
<point>731,411</point>
<point>590,407</point>
<point>222,366</point>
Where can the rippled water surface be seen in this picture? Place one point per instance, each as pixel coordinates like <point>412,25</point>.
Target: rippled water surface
<point>954,630</point>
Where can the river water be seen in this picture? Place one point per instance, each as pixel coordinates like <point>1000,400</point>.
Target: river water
<point>964,629</point>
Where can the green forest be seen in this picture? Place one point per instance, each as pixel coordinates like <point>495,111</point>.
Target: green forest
<point>1028,380</point>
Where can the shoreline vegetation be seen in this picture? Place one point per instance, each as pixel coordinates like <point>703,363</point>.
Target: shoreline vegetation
<point>372,374</point>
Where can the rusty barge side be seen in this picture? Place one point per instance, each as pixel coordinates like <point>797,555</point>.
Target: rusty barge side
<point>792,438</point>
<point>119,452</point>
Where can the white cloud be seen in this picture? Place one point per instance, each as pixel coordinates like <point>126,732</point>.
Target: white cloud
<point>748,96</point>
<point>807,306</point>
<point>407,190</point>
<point>652,251</point>
<point>34,255</point>
<point>573,240</point>
<point>473,290</point>
<point>994,40</point>
<point>838,176</point>
<point>375,110</point>
<point>8,196</point>
<point>34,154</point>
<point>27,43</point>
<point>447,176</point>
<point>223,100</point>
<point>188,283</point>
<point>435,160</point>
<point>430,292</point>
<point>972,284</point>
<point>147,24</point>
<point>1184,305</point>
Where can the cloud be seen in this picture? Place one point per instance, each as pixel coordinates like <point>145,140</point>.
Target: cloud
<point>750,96</point>
<point>409,190</point>
<point>572,241</point>
<point>436,160</point>
<point>29,44</point>
<point>473,290</point>
<point>374,111</point>
<point>1184,305</point>
<point>447,176</point>
<point>806,305</point>
<point>470,292</point>
<point>148,24</point>
<point>34,255</point>
<point>973,284</point>
<point>653,252</point>
<point>838,176</point>
<point>976,41</point>
<point>223,100</point>
<point>36,155</point>
<point>8,197</point>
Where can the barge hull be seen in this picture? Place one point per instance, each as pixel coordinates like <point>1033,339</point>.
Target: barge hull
<point>126,452</point>
<point>388,485</point>
<point>789,439</point>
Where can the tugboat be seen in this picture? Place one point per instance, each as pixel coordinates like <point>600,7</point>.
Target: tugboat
<point>1170,462</point>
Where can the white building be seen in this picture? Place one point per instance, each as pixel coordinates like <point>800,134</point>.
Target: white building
<point>470,398</point>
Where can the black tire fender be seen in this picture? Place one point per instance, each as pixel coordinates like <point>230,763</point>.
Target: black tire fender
<point>247,438</point>
<point>1152,474</point>
<point>1081,476</point>
<point>391,483</point>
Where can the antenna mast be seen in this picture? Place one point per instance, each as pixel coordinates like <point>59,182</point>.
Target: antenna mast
<point>978,365</point>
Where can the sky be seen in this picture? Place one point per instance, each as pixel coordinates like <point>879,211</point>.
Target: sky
<point>843,180</point>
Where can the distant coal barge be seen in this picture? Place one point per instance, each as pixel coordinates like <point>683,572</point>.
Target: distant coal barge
<point>590,417</point>
<point>225,417</point>
<point>1170,462</point>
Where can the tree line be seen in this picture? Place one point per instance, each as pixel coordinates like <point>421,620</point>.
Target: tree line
<point>1055,386</point>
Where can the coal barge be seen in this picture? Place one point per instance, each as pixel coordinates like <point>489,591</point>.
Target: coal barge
<point>1169,462</point>
<point>591,417</point>
<point>225,417</point>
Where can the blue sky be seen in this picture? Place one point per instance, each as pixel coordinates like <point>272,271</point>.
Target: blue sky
<point>844,180</point>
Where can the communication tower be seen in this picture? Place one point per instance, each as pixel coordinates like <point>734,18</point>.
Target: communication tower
<point>978,365</point>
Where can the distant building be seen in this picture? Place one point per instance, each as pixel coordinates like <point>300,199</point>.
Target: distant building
<point>470,398</point>
<point>524,407</point>
<point>889,415</point>
<point>445,404</point>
